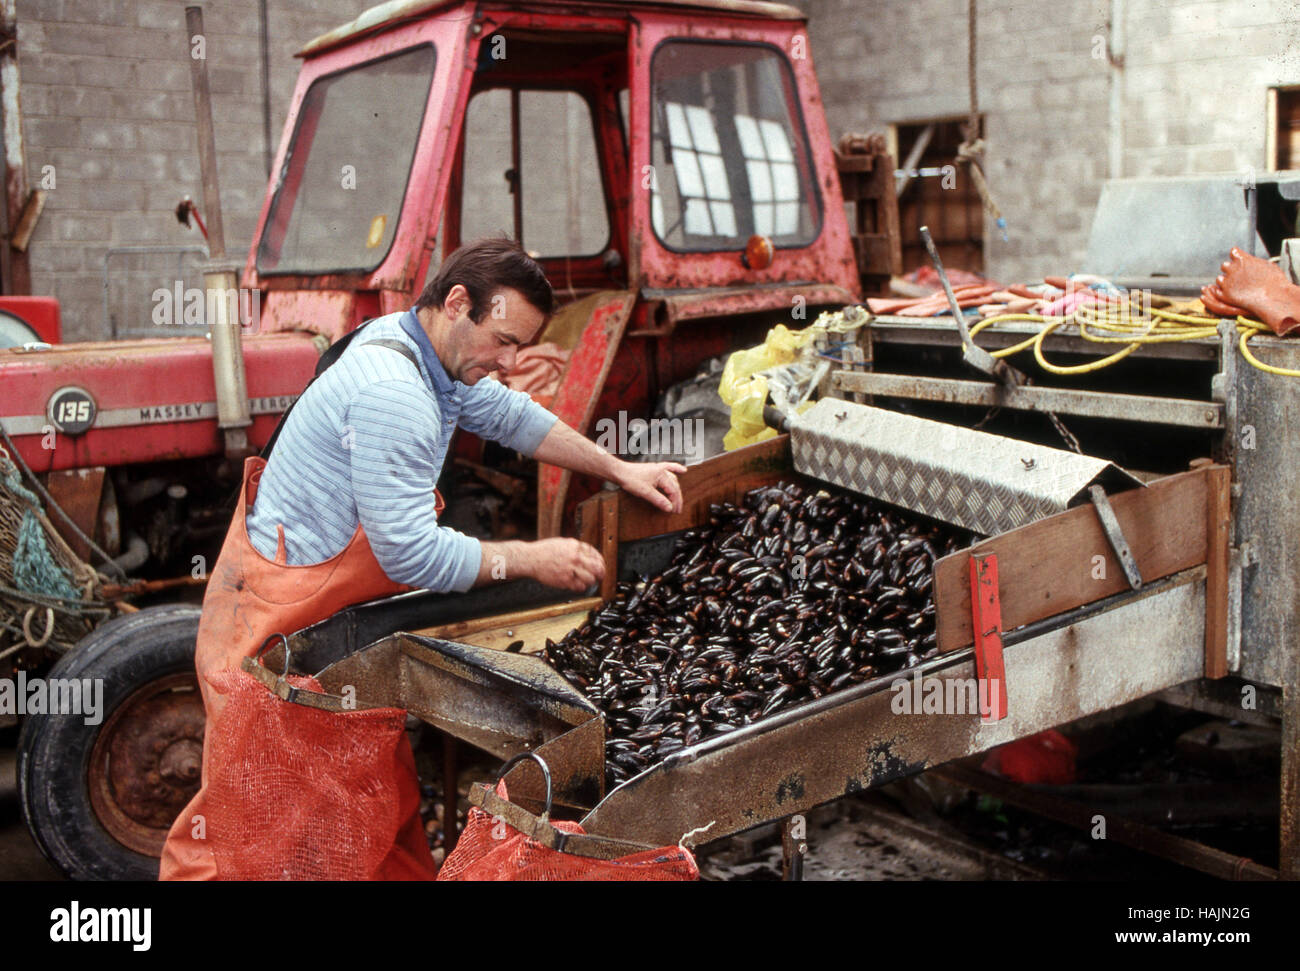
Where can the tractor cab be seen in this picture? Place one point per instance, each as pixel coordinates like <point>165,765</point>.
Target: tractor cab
<point>629,145</point>
<point>667,163</point>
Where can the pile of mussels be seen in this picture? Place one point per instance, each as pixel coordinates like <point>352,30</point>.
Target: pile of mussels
<point>789,597</point>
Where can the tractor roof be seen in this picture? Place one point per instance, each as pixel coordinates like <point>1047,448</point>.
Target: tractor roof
<point>394,11</point>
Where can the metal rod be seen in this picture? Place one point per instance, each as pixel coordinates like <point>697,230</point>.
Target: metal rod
<point>516,163</point>
<point>978,358</point>
<point>111,591</point>
<point>450,793</point>
<point>1184,412</point>
<point>1115,534</point>
<point>17,271</point>
<point>794,844</point>
<point>268,149</point>
<point>914,159</point>
<point>207,137</point>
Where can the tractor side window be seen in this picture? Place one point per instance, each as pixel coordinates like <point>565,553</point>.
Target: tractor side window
<point>341,189</point>
<point>729,156</point>
<point>563,210</point>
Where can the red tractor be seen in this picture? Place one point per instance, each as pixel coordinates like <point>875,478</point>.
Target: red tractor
<point>668,162</point>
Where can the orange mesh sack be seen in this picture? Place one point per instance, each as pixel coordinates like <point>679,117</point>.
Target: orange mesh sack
<point>491,849</point>
<point>296,793</point>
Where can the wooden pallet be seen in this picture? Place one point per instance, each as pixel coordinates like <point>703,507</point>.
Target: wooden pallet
<point>867,181</point>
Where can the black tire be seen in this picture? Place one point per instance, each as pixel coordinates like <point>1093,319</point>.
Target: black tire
<point>130,653</point>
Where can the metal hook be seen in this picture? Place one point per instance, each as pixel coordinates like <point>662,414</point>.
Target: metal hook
<point>546,774</point>
<point>266,643</point>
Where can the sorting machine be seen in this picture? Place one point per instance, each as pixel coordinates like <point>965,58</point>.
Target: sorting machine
<point>1094,583</point>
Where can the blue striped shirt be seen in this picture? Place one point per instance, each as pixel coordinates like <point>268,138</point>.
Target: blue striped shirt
<point>366,444</point>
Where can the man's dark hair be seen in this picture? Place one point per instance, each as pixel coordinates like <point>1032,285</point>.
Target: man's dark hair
<point>484,267</point>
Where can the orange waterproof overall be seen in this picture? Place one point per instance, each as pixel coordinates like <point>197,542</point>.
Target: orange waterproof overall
<point>249,598</point>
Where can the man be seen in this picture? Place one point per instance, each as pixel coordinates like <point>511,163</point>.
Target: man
<point>346,511</point>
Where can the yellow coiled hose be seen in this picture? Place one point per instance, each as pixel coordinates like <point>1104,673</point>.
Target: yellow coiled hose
<point>1128,325</point>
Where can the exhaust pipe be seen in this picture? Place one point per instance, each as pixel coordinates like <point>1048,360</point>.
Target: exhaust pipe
<point>219,274</point>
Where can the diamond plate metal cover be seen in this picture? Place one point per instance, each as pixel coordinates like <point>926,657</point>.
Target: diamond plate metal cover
<point>983,482</point>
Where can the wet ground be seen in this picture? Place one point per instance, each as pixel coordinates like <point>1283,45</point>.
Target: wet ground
<point>20,857</point>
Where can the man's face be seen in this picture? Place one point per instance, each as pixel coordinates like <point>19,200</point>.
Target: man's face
<point>490,345</point>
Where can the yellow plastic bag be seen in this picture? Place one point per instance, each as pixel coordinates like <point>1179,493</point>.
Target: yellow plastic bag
<point>745,390</point>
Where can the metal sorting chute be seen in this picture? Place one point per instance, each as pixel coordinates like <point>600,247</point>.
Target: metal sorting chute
<point>503,703</point>
<point>986,483</point>
<point>509,704</point>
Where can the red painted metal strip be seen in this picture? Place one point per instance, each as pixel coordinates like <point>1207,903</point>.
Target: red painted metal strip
<point>575,402</point>
<point>986,612</point>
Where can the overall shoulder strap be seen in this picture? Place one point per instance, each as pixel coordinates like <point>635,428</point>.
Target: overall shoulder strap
<point>393,345</point>
<point>331,355</point>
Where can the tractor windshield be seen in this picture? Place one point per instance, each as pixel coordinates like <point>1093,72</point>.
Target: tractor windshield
<point>730,156</point>
<point>344,177</point>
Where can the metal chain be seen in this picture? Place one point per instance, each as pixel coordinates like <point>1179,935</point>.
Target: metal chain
<point>1070,440</point>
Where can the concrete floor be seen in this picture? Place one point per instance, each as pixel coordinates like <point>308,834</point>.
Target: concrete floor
<point>863,839</point>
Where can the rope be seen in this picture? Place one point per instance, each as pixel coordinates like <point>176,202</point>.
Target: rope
<point>51,504</point>
<point>690,834</point>
<point>32,640</point>
<point>34,569</point>
<point>1249,328</point>
<point>974,131</point>
<point>970,150</point>
<point>42,601</point>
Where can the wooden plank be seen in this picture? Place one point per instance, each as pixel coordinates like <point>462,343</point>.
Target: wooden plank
<point>724,478</point>
<point>1065,561</point>
<point>587,520</point>
<point>609,509</point>
<point>461,628</point>
<point>1218,507</point>
<point>533,633</point>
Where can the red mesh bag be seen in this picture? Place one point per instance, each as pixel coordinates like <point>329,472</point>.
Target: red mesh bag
<point>490,849</point>
<point>296,793</point>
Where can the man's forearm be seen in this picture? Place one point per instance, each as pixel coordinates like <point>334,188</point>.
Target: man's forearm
<point>507,560</point>
<point>564,447</point>
<point>556,562</point>
<point>655,482</point>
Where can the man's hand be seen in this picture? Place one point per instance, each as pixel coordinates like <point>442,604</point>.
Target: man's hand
<point>655,482</point>
<point>565,563</point>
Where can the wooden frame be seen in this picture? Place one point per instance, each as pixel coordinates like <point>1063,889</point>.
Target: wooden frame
<point>609,518</point>
<point>1065,561</point>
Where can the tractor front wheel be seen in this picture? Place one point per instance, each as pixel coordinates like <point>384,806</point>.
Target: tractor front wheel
<point>99,798</point>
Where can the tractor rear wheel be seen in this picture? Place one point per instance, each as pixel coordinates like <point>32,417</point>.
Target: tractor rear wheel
<point>100,798</point>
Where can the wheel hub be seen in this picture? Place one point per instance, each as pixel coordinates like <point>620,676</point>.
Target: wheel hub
<point>146,762</point>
